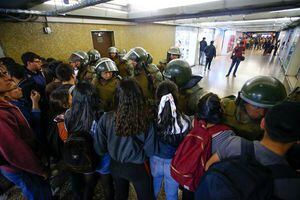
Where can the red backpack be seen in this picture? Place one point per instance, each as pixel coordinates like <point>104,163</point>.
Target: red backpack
<point>188,163</point>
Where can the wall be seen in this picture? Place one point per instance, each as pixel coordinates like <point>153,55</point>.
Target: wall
<point>17,38</point>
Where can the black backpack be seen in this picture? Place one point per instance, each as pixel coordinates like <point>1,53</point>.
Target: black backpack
<point>79,154</point>
<point>241,177</point>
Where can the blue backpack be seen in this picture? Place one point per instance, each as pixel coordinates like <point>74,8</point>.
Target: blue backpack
<point>241,177</point>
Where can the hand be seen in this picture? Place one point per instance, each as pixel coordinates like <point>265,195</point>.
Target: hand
<point>45,175</point>
<point>35,96</point>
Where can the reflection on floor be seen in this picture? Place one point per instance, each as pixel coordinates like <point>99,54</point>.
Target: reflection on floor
<point>255,64</point>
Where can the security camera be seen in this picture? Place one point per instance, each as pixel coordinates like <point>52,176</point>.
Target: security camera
<point>47,30</point>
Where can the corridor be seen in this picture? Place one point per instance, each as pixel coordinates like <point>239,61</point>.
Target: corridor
<point>255,64</point>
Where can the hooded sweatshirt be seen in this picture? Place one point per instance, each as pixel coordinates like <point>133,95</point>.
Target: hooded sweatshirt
<point>17,144</point>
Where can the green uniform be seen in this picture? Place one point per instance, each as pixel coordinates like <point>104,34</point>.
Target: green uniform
<point>189,98</point>
<point>116,60</point>
<point>106,90</point>
<point>125,70</point>
<point>85,73</point>
<point>237,118</point>
<point>162,65</point>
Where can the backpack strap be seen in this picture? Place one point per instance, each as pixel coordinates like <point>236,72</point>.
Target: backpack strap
<point>247,149</point>
<point>282,171</point>
<point>279,171</point>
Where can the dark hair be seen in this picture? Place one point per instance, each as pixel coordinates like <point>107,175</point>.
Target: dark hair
<point>59,100</point>
<point>49,60</point>
<point>51,67</point>
<point>167,120</point>
<point>16,70</point>
<point>84,109</point>
<point>29,57</point>
<point>209,109</point>
<point>64,72</point>
<point>7,61</point>
<point>130,108</point>
<point>282,122</point>
<point>211,42</point>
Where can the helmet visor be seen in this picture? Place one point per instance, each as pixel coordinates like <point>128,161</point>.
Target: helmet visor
<point>131,55</point>
<point>106,66</point>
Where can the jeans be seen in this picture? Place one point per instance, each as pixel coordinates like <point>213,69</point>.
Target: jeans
<point>201,57</point>
<point>208,62</point>
<point>160,170</point>
<point>123,173</point>
<point>235,62</point>
<point>33,186</point>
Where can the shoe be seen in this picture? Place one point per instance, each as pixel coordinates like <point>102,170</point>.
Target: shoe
<point>227,75</point>
<point>234,75</point>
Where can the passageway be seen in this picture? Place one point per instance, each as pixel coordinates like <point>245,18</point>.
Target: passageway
<point>255,64</point>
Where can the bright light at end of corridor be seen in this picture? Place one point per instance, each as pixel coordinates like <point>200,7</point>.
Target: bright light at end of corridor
<point>147,5</point>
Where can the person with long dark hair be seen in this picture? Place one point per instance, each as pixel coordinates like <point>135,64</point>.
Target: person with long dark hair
<point>128,136</point>
<point>82,117</point>
<point>172,126</point>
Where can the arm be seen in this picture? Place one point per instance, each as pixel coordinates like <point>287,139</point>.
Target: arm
<point>215,52</point>
<point>150,144</point>
<point>213,159</point>
<point>99,137</point>
<point>35,112</point>
<point>15,151</point>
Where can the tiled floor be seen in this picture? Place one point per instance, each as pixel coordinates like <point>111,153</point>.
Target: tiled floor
<point>255,64</point>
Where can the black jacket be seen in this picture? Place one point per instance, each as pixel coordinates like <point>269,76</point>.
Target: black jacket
<point>210,51</point>
<point>131,149</point>
<point>203,44</point>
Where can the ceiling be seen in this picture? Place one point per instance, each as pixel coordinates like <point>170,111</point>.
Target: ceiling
<point>249,15</point>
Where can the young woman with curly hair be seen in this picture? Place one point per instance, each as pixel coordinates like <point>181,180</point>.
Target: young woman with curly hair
<point>128,137</point>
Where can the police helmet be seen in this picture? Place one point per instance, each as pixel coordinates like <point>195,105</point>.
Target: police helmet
<point>179,71</point>
<point>263,91</point>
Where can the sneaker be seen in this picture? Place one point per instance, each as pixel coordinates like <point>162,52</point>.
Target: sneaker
<point>234,75</point>
<point>227,75</point>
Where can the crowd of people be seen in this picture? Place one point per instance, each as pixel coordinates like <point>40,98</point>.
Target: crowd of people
<point>123,120</point>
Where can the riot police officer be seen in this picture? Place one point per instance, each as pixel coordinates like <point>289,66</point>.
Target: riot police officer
<point>94,56</point>
<point>106,81</point>
<point>245,112</point>
<point>173,53</point>
<point>79,60</point>
<point>113,55</point>
<point>147,74</point>
<point>190,92</point>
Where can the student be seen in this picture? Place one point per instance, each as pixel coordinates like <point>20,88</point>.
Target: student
<point>33,66</point>
<point>172,126</point>
<point>209,115</point>
<point>19,150</point>
<point>32,115</point>
<point>17,73</point>
<point>80,117</point>
<point>281,126</point>
<point>59,102</point>
<point>128,137</point>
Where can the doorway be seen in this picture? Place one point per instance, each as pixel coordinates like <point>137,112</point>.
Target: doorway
<point>102,40</point>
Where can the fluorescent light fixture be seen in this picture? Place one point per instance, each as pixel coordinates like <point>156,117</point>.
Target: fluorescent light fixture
<point>260,21</point>
<point>108,9</point>
<point>147,5</point>
<point>286,10</point>
<point>60,2</point>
